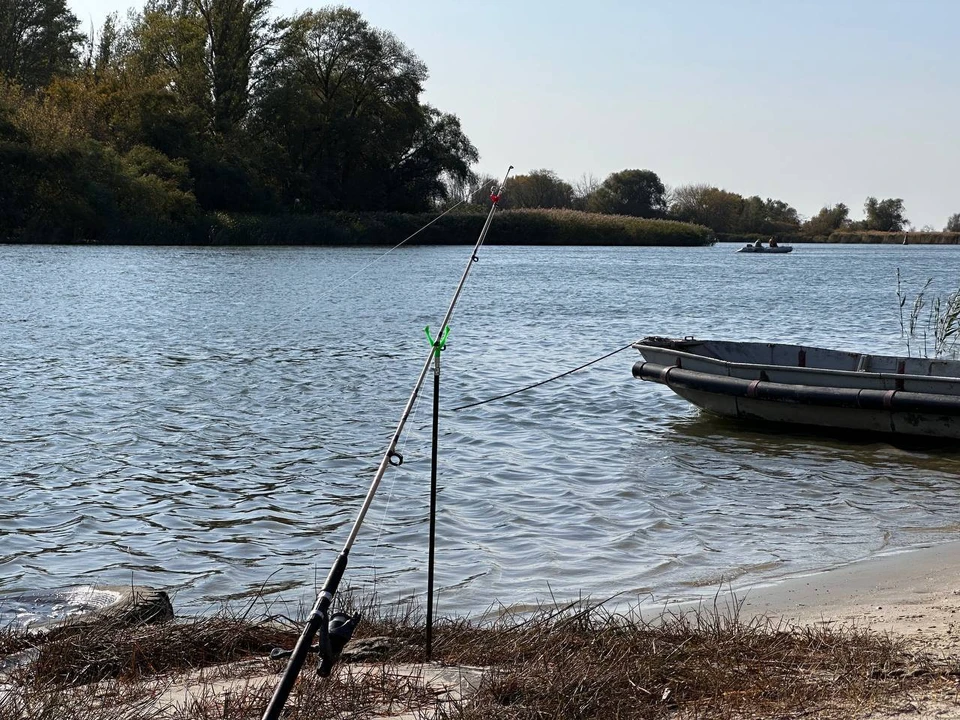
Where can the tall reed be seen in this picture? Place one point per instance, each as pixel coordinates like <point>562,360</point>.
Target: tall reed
<point>941,321</point>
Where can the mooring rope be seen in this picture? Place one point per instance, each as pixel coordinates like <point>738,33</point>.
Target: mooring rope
<point>544,382</point>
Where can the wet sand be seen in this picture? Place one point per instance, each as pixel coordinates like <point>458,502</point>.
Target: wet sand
<point>915,594</point>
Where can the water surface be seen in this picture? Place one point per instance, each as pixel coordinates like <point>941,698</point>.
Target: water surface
<point>207,420</point>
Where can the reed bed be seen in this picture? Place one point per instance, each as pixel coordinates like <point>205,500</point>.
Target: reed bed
<point>577,661</point>
<point>874,237</point>
<point>511,227</point>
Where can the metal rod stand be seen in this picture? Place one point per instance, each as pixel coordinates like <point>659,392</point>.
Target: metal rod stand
<point>431,545</point>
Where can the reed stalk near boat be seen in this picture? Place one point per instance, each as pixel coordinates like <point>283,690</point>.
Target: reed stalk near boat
<point>941,321</point>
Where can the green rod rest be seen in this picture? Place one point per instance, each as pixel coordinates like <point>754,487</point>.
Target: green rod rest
<point>440,343</point>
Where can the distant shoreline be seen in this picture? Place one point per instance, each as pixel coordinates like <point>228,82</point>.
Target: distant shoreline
<point>510,227</point>
<point>865,237</point>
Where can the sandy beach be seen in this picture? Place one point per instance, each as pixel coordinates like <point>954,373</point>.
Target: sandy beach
<point>914,594</point>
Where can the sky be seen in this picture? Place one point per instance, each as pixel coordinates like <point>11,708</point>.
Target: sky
<point>813,102</point>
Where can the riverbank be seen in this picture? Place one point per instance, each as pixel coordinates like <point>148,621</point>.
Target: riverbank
<point>874,639</point>
<point>913,594</point>
<point>850,238</point>
<point>511,227</point>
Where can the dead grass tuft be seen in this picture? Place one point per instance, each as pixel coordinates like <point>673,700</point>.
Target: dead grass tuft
<point>108,651</point>
<point>582,662</point>
<point>577,661</point>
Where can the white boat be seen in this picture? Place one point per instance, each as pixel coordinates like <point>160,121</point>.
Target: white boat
<point>765,249</point>
<point>811,386</point>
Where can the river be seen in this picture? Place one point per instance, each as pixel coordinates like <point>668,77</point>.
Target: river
<point>207,420</point>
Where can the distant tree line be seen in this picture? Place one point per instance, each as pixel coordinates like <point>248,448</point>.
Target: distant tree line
<point>641,193</point>
<point>158,124</point>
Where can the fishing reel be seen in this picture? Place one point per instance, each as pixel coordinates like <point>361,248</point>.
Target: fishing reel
<point>333,635</point>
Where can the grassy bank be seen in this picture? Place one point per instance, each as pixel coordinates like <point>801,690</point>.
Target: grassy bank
<point>896,238</point>
<point>577,661</point>
<point>511,227</point>
<point>751,238</point>
<point>851,237</point>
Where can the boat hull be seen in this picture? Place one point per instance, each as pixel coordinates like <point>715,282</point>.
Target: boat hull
<point>895,402</point>
<point>779,250</point>
<point>857,410</point>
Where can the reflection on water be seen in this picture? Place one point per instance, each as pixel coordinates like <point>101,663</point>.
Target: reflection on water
<point>37,608</point>
<point>208,420</point>
<point>728,435</point>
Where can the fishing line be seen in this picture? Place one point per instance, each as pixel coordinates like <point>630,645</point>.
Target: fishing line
<point>393,482</point>
<point>329,293</point>
<point>383,255</point>
<point>544,382</point>
<point>406,240</point>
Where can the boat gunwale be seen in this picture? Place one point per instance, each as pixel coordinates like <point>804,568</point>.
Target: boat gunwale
<point>799,368</point>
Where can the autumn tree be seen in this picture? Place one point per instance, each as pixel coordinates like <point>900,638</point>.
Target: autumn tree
<point>830,219</point>
<point>537,189</point>
<point>706,205</point>
<point>583,188</point>
<point>767,217</point>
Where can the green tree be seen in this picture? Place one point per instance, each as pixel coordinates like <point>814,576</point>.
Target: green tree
<point>342,122</point>
<point>38,39</point>
<point>767,217</point>
<point>706,205</point>
<point>630,192</point>
<point>192,84</point>
<point>884,215</point>
<point>168,42</point>
<point>537,189</point>
<point>828,220</point>
<point>953,223</point>
<point>237,34</point>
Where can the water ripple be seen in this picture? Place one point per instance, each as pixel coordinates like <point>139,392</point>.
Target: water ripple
<point>208,420</point>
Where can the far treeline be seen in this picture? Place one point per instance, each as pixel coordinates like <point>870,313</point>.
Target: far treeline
<point>731,216</point>
<point>216,121</point>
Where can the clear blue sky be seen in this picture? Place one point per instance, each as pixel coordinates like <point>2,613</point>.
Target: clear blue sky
<point>809,101</point>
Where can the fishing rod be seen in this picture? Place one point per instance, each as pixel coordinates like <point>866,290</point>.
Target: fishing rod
<point>335,630</point>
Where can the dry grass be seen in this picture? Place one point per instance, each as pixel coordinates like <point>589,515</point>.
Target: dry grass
<point>574,662</point>
<point>584,663</point>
